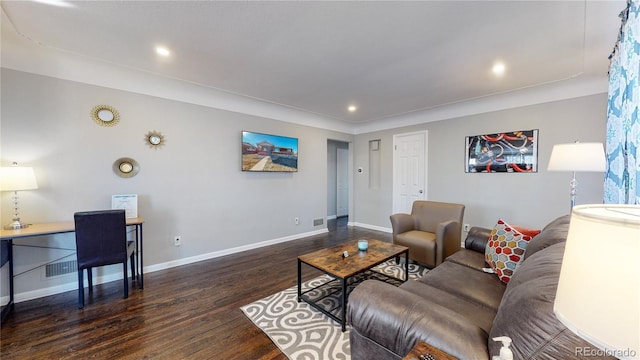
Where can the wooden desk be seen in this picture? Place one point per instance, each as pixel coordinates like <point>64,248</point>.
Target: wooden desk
<point>7,237</point>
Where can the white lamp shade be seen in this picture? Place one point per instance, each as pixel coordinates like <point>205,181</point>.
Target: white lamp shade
<point>577,157</point>
<point>14,178</point>
<point>598,294</point>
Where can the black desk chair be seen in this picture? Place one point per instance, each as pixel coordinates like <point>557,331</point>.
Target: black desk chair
<point>101,239</point>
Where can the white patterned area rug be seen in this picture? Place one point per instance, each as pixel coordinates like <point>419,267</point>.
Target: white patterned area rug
<point>304,333</point>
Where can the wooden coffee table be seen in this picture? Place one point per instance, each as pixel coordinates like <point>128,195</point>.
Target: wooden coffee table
<point>346,273</point>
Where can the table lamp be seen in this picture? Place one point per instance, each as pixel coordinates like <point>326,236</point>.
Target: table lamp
<point>598,295</point>
<point>16,178</point>
<point>577,157</point>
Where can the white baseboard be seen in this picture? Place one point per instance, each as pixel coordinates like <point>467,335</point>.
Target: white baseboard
<point>230,251</point>
<point>38,293</point>
<point>372,227</point>
<point>34,294</point>
<point>331,217</point>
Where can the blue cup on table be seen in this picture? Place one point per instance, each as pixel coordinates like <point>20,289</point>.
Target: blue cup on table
<point>363,245</point>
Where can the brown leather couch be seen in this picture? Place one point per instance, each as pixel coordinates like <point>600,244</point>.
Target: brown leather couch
<point>458,308</point>
<point>431,231</point>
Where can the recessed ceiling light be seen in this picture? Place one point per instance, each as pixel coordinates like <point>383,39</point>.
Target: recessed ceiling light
<point>162,51</point>
<point>498,69</point>
<point>352,108</point>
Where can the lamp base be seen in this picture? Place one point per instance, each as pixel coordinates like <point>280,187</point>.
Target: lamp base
<point>16,225</point>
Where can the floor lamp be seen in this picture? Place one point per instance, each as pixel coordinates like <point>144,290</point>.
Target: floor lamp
<point>598,295</point>
<point>17,178</point>
<point>576,157</point>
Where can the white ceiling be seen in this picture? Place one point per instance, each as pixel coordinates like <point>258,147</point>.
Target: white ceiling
<point>388,58</point>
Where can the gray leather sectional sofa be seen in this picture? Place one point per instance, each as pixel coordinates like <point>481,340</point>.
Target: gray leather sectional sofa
<point>458,308</point>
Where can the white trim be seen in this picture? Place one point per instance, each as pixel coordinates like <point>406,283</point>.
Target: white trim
<point>538,94</point>
<point>331,217</point>
<point>23,54</point>
<point>215,254</point>
<point>38,293</point>
<point>371,227</point>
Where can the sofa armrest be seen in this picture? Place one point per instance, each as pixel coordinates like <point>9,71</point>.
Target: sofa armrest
<point>477,239</point>
<point>397,319</point>
<point>447,239</point>
<point>401,223</point>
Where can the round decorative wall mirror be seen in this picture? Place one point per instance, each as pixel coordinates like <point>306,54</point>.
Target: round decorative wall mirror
<point>126,167</point>
<point>154,139</point>
<point>105,115</point>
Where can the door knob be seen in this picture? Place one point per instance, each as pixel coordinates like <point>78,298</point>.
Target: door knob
<point>420,191</point>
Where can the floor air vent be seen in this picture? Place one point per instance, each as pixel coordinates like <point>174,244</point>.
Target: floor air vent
<point>61,268</point>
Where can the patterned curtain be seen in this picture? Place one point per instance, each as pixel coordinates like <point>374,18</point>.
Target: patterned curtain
<point>622,178</point>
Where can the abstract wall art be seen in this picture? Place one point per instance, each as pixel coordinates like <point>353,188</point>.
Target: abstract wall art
<point>514,151</point>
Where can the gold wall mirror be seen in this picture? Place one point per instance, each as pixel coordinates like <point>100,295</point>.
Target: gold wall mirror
<point>105,115</point>
<point>126,167</point>
<point>154,139</point>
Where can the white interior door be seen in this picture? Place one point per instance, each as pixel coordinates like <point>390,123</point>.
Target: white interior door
<point>409,170</point>
<point>342,182</point>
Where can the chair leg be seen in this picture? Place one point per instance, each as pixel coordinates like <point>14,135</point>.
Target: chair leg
<point>80,289</point>
<point>133,267</point>
<point>90,279</point>
<point>126,280</point>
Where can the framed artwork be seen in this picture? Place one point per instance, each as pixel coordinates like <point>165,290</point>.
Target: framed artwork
<point>269,153</point>
<point>515,151</point>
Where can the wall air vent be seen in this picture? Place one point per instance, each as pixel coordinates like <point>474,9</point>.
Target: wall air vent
<point>61,268</point>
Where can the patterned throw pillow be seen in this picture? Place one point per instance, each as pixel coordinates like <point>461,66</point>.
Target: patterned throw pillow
<point>506,248</point>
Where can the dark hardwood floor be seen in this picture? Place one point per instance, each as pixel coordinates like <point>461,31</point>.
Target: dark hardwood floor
<point>187,312</point>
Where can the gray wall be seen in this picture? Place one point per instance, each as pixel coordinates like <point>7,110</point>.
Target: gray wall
<point>526,199</point>
<point>193,186</point>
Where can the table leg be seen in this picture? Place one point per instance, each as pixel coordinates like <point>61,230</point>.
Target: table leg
<point>344,304</point>
<point>406,265</point>
<point>141,257</point>
<point>9,307</point>
<point>299,280</point>
<point>136,271</point>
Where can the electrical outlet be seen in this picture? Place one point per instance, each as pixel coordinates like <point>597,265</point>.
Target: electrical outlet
<point>297,220</point>
<point>467,227</point>
<point>177,240</point>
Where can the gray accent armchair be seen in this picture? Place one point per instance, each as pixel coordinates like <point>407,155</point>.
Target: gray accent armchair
<point>432,231</point>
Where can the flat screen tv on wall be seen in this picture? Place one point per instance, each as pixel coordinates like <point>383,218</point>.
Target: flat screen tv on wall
<point>269,153</point>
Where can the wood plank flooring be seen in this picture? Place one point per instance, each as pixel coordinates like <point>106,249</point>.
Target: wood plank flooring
<point>187,312</point>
